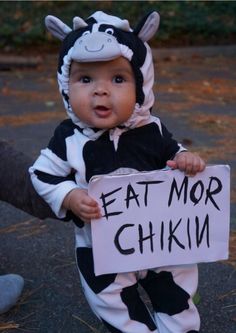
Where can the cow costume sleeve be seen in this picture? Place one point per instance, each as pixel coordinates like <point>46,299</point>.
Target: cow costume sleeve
<point>51,174</point>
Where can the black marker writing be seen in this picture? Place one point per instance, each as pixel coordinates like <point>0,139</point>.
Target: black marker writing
<point>105,204</point>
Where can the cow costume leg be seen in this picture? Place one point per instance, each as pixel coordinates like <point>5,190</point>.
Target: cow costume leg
<point>170,290</point>
<point>115,300</point>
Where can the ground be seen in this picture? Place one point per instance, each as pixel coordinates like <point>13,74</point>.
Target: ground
<point>196,97</point>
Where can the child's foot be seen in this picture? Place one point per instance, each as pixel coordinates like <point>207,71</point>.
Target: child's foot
<point>11,286</point>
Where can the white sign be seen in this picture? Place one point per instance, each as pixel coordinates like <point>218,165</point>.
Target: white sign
<point>160,218</point>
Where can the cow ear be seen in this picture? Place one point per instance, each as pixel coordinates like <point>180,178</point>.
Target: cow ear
<point>57,28</point>
<point>78,23</point>
<point>148,26</point>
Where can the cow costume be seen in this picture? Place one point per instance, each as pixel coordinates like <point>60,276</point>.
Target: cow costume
<point>77,152</point>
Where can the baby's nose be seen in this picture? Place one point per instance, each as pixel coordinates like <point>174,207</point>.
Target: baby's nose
<point>101,89</point>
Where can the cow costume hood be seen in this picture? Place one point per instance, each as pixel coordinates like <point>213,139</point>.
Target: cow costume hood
<point>104,37</point>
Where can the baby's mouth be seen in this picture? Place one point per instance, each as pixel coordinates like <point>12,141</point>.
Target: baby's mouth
<point>102,111</point>
<point>101,108</point>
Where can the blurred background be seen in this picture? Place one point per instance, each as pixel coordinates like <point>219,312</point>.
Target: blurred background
<point>182,22</point>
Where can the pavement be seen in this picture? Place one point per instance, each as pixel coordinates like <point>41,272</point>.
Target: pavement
<point>196,99</point>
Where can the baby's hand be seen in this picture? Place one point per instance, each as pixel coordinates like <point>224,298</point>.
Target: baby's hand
<point>82,205</point>
<point>188,162</point>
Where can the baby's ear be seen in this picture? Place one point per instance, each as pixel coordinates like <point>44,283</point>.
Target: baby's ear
<point>57,28</point>
<point>148,26</point>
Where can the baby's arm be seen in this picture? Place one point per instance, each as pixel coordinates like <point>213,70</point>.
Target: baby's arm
<point>188,162</point>
<point>82,205</point>
<point>185,161</point>
<point>52,174</point>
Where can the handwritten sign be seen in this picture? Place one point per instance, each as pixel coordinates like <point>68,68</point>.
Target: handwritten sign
<point>160,218</point>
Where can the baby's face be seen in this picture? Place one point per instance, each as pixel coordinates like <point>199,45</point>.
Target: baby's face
<point>102,94</point>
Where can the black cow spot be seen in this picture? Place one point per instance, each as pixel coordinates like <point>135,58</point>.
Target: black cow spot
<point>86,267</point>
<point>166,296</point>
<point>136,308</point>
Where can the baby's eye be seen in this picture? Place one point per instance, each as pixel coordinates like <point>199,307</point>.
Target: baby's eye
<point>85,79</point>
<point>119,79</point>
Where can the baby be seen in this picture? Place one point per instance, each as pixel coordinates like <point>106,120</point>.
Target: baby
<point>106,76</point>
